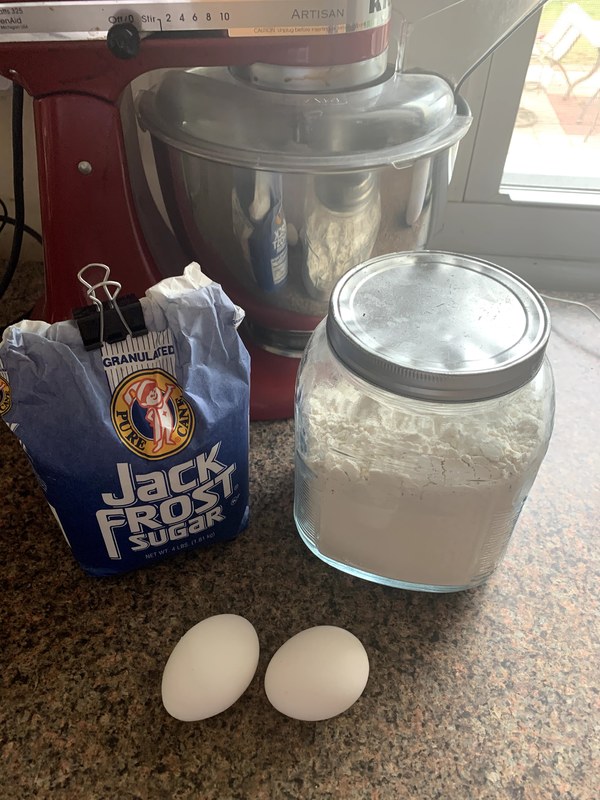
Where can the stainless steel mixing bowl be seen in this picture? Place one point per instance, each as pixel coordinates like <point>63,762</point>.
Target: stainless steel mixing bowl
<point>278,193</point>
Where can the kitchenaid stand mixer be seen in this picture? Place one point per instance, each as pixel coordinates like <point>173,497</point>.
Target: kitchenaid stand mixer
<point>78,59</point>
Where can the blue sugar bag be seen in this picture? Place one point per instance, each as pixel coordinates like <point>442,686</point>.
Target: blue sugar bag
<point>141,446</point>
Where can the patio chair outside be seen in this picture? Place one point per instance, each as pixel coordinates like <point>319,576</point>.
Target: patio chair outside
<point>550,49</point>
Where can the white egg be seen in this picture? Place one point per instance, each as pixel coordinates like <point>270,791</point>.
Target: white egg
<point>317,674</point>
<point>210,667</point>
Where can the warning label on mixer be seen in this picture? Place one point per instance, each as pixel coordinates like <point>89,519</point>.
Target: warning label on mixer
<point>288,31</point>
<point>89,19</point>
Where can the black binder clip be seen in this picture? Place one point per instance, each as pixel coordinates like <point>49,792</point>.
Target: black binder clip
<point>111,320</point>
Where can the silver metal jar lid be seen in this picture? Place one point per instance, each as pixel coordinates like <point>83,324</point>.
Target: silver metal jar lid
<point>438,326</point>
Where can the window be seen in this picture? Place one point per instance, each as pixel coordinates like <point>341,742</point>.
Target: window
<point>526,189</point>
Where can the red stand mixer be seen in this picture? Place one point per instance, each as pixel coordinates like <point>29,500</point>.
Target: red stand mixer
<point>77,60</point>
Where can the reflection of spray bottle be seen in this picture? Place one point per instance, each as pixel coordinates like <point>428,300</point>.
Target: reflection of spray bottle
<point>260,226</point>
<point>342,222</point>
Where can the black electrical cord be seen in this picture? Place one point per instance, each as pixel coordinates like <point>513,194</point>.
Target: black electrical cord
<point>6,220</point>
<point>19,192</point>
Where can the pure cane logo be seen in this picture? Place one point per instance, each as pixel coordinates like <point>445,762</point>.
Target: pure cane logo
<point>150,414</point>
<point>5,402</point>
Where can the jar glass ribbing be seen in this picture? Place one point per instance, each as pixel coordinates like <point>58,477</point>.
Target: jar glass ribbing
<point>410,492</point>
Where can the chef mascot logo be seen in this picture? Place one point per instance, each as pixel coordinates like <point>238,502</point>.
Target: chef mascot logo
<point>4,396</point>
<point>150,414</point>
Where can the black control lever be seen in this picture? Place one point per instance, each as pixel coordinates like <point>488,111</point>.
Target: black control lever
<point>123,40</point>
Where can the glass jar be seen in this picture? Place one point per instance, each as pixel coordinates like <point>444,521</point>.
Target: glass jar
<point>424,408</point>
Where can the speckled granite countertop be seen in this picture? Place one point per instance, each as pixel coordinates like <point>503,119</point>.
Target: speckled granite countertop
<point>492,693</point>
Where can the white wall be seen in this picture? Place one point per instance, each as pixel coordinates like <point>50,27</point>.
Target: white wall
<point>31,249</point>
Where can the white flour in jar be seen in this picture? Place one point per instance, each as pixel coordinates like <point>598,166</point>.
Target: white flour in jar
<point>418,497</point>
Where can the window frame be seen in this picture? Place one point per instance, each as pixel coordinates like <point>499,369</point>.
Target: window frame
<point>555,245</point>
